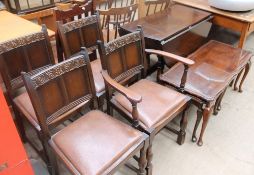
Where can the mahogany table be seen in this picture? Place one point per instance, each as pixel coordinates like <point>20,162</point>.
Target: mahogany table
<point>161,28</point>
<point>241,22</point>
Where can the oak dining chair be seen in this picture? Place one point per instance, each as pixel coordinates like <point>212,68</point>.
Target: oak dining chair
<point>148,106</point>
<point>81,144</point>
<point>85,33</point>
<point>31,53</point>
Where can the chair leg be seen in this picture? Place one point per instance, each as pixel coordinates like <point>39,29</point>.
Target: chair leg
<point>20,124</point>
<point>149,155</point>
<point>52,162</point>
<point>183,125</point>
<point>199,116</point>
<point>100,103</point>
<point>206,115</point>
<point>247,69</point>
<point>109,109</point>
<point>142,161</point>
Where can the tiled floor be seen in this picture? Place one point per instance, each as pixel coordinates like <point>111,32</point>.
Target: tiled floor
<point>228,143</point>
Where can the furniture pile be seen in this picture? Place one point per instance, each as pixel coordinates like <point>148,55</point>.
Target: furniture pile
<point>93,76</point>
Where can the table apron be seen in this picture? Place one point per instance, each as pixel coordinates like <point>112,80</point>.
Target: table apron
<point>229,23</point>
<point>186,30</point>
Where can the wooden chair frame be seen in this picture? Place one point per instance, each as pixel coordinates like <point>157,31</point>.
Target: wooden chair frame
<point>91,21</point>
<point>54,73</point>
<point>14,84</point>
<point>129,77</point>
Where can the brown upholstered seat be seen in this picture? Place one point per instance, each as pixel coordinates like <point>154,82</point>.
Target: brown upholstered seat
<point>95,142</point>
<point>24,104</point>
<point>215,65</point>
<point>98,80</point>
<point>157,105</point>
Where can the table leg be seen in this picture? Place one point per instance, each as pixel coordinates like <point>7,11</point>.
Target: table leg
<point>244,34</point>
<point>206,115</point>
<point>199,116</point>
<point>237,79</point>
<point>246,71</point>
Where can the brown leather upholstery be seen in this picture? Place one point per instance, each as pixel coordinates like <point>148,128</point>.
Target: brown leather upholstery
<point>215,65</point>
<point>98,80</point>
<point>158,102</point>
<point>25,106</point>
<point>93,143</point>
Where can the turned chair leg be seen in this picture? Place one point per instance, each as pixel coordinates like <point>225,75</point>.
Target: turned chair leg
<point>199,116</point>
<point>206,115</point>
<point>183,125</point>
<point>247,69</point>
<point>149,155</point>
<point>142,161</point>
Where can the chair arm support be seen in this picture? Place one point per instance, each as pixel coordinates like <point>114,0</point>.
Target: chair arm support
<point>133,97</point>
<point>168,55</point>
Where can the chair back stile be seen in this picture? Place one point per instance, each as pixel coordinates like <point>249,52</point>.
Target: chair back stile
<point>60,90</point>
<point>80,33</point>
<point>31,53</point>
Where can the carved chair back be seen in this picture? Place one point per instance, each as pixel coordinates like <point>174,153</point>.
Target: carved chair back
<point>124,58</point>
<point>118,16</point>
<point>31,53</point>
<point>84,32</point>
<point>75,13</point>
<point>154,6</point>
<point>61,90</point>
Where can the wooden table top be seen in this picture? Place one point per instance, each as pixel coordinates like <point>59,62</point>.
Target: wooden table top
<point>204,5</point>
<point>166,24</point>
<point>13,26</point>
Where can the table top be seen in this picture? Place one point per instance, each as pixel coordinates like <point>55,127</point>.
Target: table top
<point>168,23</point>
<point>204,5</point>
<point>13,26</point>
<point>212,71</point>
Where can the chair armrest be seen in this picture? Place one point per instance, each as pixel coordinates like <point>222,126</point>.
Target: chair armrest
<point>168,55</point>
<point>133,97</point>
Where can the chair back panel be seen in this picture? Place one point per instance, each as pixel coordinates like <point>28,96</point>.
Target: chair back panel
<point>84,32</point>
<point>124,57</point>
<point>30,53</point>
<point>61,89</point>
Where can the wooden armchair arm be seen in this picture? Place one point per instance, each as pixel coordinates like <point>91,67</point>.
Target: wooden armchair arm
<point>168,55</point>
<point>186,62</point>
<point>130,95</point>
<point>133,97</point>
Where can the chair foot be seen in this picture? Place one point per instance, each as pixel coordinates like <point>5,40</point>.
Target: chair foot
<point>181,138</point>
